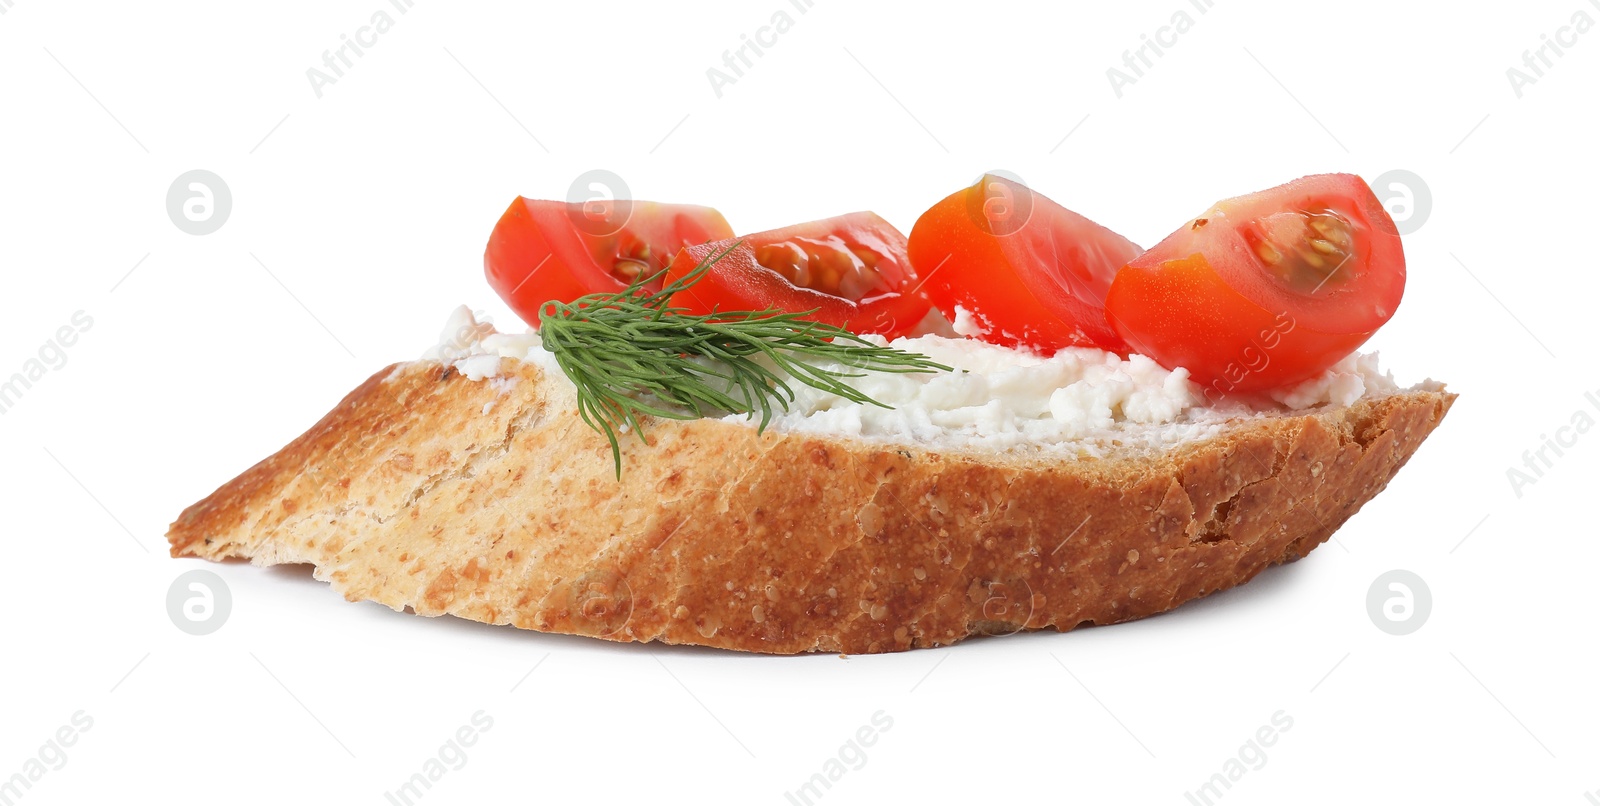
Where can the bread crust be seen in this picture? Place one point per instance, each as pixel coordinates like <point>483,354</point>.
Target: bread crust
<point>492,501</point>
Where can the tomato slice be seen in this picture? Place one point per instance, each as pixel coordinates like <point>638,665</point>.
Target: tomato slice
<point>851,269</point>
<point>1266,289</point>
<point>548,250</point>
<point>1030,272</point>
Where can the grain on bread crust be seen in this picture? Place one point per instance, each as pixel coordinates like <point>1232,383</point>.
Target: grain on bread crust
<point>492,501</point>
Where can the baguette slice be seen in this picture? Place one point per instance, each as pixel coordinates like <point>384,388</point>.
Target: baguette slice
<point>492,501</point>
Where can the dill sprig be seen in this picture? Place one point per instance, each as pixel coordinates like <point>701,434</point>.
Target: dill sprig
<point>631,353</point>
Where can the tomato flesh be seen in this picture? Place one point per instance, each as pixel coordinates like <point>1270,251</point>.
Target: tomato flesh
<point>852,270</point>
<point>548,250</point>
<point>1266,289</point>
<point>1030,272</point>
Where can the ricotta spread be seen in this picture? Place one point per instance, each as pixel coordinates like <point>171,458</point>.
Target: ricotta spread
<point>997,397</point>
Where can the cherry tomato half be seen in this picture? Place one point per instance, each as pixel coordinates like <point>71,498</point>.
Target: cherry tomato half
<point>548,250</point>
<point>1266,289</point>
<point>851,269</point>
<point>1030,272</point>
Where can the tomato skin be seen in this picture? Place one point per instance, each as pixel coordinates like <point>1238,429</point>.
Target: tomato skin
<point>738,281</point>
<point>539,252</point>
<point>1038,283</point>
<point>1182,314</point>
<point>1204,299</point>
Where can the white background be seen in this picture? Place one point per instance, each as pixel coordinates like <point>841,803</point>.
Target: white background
<point>359,220</point>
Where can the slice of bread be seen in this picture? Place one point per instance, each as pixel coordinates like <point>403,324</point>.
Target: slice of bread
<point>492,501</point>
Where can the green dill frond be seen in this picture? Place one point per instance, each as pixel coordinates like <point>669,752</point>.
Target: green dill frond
<point>630,353</point>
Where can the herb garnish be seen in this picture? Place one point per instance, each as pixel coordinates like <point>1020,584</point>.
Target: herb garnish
<point>630,353</point>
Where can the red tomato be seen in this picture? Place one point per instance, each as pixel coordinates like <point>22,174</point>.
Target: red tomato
<point>548,250</point>
<point>1266,289</point>
<point>851,269</point>
<point>1029,271</point>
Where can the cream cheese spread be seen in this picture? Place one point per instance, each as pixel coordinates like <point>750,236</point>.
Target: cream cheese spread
<point>997,397</point>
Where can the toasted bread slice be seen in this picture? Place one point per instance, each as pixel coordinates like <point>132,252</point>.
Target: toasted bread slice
<point>493,501</point>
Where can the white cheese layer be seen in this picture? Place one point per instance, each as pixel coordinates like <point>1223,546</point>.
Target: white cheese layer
<point>998,397</point>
